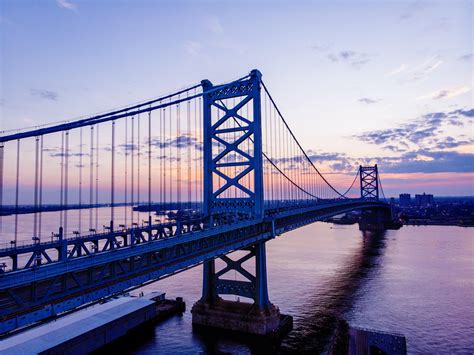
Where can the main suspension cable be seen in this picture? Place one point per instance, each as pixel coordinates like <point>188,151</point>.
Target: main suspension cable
<point>297,142</point>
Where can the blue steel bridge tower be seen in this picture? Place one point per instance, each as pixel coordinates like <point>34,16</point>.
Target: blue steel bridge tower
<point>233,188</point>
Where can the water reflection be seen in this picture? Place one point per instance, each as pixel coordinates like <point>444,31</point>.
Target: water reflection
<point>329,302</point>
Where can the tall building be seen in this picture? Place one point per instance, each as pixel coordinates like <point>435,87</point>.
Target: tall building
<point>424,200</point>
<point>405,200</point>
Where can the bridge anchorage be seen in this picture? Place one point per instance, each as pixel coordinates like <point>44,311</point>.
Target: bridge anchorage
<point>215,169</point>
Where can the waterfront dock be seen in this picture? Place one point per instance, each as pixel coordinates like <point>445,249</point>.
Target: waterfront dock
<point>94,327</point>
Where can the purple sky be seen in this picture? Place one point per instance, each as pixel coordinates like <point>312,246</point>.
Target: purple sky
<point>358,81</point>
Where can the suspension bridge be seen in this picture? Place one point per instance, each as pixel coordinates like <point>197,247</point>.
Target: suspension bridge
<point>103,204</point>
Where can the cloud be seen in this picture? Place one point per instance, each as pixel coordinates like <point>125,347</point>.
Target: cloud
<point>70,154</point>
<point>414,9</point>
<point>368,100</point>
<point>466,113</point>
<point>321,48</point>
<point>467,57</point>
<point>214,25</point>
<point>45,94</point>
<point>66,4</point>
<point>128,147</point>
<point>182,141</point>
<point>192,47</point>
<point>417,132</point>
<point>409,132</point>
<point>354,59</point>
<point>450,142</point>
<point>394,148</point>
<point>396,71</point>
<point>430,162</point>
<point>445,94</point>
<point>432,66</point>
<point>426,68</point>
<point>418,161</point>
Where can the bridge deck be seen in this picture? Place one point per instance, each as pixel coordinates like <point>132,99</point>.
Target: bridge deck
<point>64,285</point>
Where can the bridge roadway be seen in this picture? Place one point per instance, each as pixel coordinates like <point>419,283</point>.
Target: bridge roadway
<point>81,274</point>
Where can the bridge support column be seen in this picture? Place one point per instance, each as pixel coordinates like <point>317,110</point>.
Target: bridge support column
<point>260,317</point>
<point>378,220</point>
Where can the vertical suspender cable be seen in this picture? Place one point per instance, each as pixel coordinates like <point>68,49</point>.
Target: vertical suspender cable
<point>97,179</point>
<point>285,164</point>
<point>266,194</point>
<point>126,171</point>
<point>40,188</point>
<point>132,182</point>
<point>149,167</point>
<point>201,169</point>
<point>138,162</point>
<point>35,216</point>
<point>171,161</point>
<point>196,145</point>
<point>282,154</point>
<point>160,155</point>
<point>66,182</point>
<point>166,157</point>
<point>17,188</point>
<point>91,178</point>
<point>61,192</point>
<point>80,181</point>
<point>178,155</point>
<point>112,178</point>
<point>272,188</point>
<point>189,144</point>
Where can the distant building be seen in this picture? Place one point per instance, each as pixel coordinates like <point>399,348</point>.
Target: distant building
<point>405,200</point>
<point>424,200</point>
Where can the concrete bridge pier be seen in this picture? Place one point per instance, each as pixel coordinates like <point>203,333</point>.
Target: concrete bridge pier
<point>379,219</point>
<point>258,318</point>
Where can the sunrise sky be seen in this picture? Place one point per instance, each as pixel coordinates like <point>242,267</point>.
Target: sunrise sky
<point>389,82</point>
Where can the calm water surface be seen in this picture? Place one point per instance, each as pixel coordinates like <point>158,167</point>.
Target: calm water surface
<point>418,281</point>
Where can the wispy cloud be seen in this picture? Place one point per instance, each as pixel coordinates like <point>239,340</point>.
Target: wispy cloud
<point>192,47</point>
<point>422,132</point>
<point>214,25</point>
<point>395,148</point>
<point>414,9</point>
<point>45,94</point>
<point>397,70</point>
<point>353,58</point>
<point>427,67</point>
<point>427,162</point>
<point>368,100</point>
<point>321,48</point>
<point>467,57</point>
<point>450,142</point>
<point>410,162</point>
<point>66,4</point>
<point>445,94</point>
<point>182,141</point>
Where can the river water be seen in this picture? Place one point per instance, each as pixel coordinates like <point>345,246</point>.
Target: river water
<point>418,281</point>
